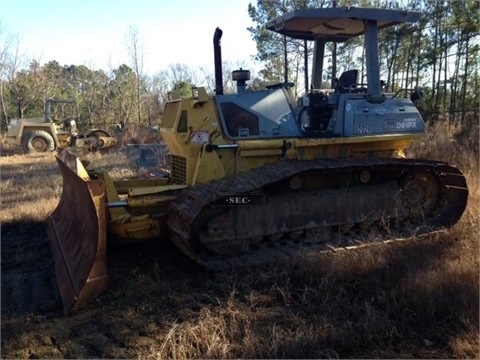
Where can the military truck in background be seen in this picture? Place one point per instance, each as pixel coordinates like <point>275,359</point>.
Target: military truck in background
<point>43,134</point>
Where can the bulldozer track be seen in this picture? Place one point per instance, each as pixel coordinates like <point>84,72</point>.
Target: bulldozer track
<point>192,203</point>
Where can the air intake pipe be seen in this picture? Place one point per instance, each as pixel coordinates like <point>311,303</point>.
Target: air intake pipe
<point>241,77</point>
<point>217,52</point>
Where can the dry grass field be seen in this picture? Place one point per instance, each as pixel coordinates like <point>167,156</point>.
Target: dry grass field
<point>415,299</point>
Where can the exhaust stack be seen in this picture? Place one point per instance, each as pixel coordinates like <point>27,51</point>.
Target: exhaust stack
<point>217,51</point>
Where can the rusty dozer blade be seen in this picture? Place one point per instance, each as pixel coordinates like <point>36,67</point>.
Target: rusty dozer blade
<point>77,233</point>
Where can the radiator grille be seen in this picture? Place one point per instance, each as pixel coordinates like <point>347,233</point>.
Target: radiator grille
<point>179,170</point>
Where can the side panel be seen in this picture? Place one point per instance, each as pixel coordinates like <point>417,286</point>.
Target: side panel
<point>258,115</point>
<point>392,116</point>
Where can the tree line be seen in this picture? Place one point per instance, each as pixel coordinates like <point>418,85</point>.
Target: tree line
<point>438,56</point>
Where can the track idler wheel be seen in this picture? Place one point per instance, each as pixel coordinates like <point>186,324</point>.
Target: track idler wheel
<point>420,194</point>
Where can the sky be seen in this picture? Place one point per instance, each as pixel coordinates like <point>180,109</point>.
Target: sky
<point>95,32</point>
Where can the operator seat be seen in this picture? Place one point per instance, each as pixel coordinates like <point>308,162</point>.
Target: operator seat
<point>347,81</point>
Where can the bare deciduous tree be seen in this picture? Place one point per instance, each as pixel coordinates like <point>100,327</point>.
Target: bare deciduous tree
<point>136,53</point>
<point>9,57</point>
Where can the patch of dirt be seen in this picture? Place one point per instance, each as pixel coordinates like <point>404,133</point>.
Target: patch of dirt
<point>154,289</point>
<point>28,277</point>
<point>115,325</point>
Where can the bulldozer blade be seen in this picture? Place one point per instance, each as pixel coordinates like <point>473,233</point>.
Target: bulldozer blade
<point>77,233</point>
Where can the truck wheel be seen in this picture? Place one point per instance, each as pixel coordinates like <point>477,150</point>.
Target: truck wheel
<point>38,141</point>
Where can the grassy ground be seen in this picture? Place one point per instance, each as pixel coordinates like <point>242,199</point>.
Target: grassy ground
<point>418,299</point>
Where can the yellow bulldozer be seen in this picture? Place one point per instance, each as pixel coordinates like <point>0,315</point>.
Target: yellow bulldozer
<point>260,176</point>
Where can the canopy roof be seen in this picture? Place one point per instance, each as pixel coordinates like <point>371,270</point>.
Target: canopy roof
<point>336,24</point>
